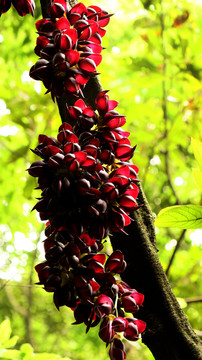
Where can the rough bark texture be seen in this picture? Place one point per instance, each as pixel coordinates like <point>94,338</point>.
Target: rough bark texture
<point>169,335</point>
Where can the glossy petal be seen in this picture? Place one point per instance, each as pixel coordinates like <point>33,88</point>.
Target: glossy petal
<point>80,156</point>
<point>97,58</point>
<point>62,24</point>
<point>71,85</point>
<point>82,79</point>
<point>88,65</point>
<point>72,57</point>
<point>119,324</point>
<point>24,7</point>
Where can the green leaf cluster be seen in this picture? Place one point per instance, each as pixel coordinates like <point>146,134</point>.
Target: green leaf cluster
<point>26,351</point>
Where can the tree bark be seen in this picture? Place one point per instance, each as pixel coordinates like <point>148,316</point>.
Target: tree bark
<point>168,335</point>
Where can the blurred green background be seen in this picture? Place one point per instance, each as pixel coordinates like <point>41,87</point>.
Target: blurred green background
<point>152,65</point>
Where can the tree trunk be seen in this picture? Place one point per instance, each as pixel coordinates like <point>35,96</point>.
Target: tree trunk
<point>168,335</point>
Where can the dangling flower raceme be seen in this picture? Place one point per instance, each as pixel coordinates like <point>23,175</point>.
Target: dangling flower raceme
<point>69,47</point>
<point>23,7</point>
<point>88,187</point>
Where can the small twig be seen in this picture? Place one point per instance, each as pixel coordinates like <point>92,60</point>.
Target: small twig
<point>179,241</point>
<point>167,163</point>
<point>197,299</point>
<point>28,318</point>
<point>16,306</point>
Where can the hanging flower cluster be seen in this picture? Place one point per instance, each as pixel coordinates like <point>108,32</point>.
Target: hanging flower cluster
<point>69,47</point>
<point>88,189</point>
<point>23,7</point>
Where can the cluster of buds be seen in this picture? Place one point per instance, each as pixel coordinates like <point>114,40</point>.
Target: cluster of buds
<point>23,7</point>
<point>88,190</point>
<point>69,47</point>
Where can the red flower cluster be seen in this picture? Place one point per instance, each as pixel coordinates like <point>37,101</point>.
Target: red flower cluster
<point>88,190</point>
<point>23,7</point>
<point>69,47</point>
<point>101,129</point>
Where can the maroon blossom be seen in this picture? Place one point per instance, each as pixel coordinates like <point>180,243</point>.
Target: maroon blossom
<point>103,305</point>
<point>69,47</point>
<point>57,8</point>
<point>23,7</point>
<point>119,324</point>
<point>133,329</point>
<point>117,349</point>
<point>131,301</point>
<point>115,263</point>
<point>106,332</point>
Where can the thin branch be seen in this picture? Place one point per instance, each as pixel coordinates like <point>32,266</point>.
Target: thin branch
<point>197,299</point>
<point>164,103</point>
<point>179,242</point>
<point>28,318</point>
<point>14,303</point>
<point>168,172</point>
<point>164,97</point>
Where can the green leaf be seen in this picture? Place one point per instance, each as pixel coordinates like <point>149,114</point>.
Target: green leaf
<point>197,174</point>
<point>10,354</point>
<point>5,331</point>
<point>181,217</point>
<point>146,22</point>
<point>197,150</point>
<point>26,351</point>
<point>11,342</point>
<point>48,356</point>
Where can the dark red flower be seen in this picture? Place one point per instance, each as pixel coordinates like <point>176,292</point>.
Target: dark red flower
<point>103,305</point>
<point>23,7</point>
<point>117,349</point>
<point>115,263</point>
<point>119,324</point>
<point>134,328</point>
<point>57,8</point>
<point>106,332</point>
<point>131,301</point>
